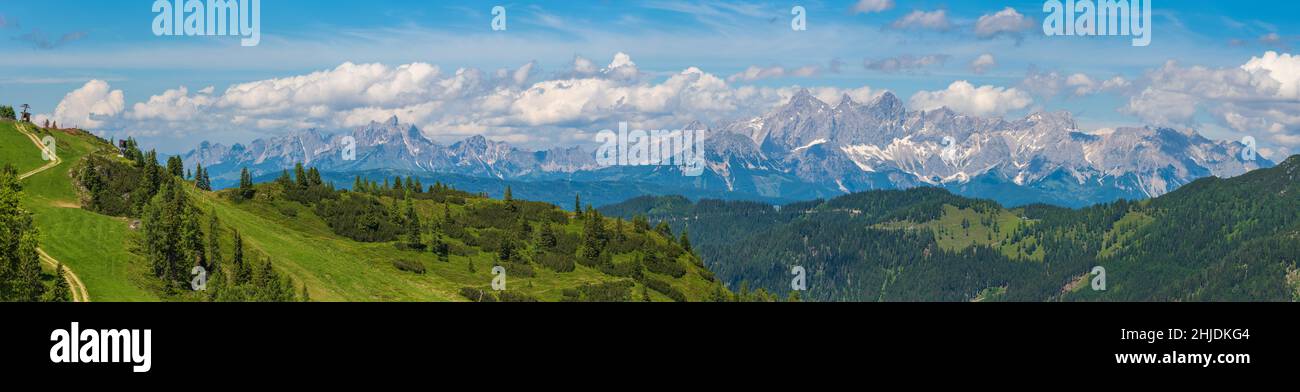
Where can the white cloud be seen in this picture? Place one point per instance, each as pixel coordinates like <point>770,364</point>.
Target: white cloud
<point>1261,98</point>
<point>757,73</point>
<point>983,63</point>
<point>583,66</point>
<point>1284,68</point>
<point>89,106</point>
<point>932,20</point>
<point>905,63</point>
<point>834,96</point>
<point>504,105</point>
<point>963,97</point>
<point>872,6</point>
<point>622,68</point>
<point>1004,22</point>
<point>1050,84</point>
<point>172,105</point>
<point>1082,84</point>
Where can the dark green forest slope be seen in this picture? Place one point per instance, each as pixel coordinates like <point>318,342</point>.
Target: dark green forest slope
<point>1211,240</point>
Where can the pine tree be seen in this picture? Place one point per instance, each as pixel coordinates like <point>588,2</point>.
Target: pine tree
<point>546,239</point>
<point>686,241</point>
<point>198,177</point>
<point>506,253</point>
<point>313,177</point>
<point>175,166</point>
<point>284,180</point>
<point>412,224</point>
<point>304,297</point>
<point>61,292</point>
<point>246,190</point>
<point>28,286</point>
<point>214,241</point>
<point>300,175</point>
<point>441,248</point>
<point>577,204</point>
<point>19,261</point>
<point>241,272</point>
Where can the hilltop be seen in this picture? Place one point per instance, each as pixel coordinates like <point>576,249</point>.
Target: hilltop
<point>132,229</point>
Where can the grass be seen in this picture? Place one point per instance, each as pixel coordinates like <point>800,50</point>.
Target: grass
<point>93,245</point>
<point>337,269</point>
<point>961,228</point>
<point>17,150</point>
<point>299,244</point>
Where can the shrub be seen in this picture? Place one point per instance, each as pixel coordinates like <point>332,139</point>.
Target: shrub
<point>288,211</point>
<point>414,247</point>
<point>409,266</point>
<point>618,291</point>
<point>477,295</point>
<point>556,262</point>
<point>662,265</point>
<point>665,288</point>
<point>512,296</point>
<point>359,217</point>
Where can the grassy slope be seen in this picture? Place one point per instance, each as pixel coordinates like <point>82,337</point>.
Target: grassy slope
<point>337,269</point>
<point>93,245</point>
<point>951,236</point>
<point>16,149</point>
<point>332,267</point>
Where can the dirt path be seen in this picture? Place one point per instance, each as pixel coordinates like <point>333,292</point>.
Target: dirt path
<point>79,293</point>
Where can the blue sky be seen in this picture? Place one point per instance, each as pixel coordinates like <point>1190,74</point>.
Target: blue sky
<point>54,48</point>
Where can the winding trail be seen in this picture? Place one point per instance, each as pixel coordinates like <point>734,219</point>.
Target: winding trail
<point>79,293</point>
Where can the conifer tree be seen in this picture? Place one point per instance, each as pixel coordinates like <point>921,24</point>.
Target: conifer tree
<point>246,190</point>
<point>241,272</point>
<point>412,223</point>
<point>60,292</point>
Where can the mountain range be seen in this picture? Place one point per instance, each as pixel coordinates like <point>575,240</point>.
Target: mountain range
<point>804,149</point>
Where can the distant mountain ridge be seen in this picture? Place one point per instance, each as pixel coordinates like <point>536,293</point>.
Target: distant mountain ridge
<point>802,150</point>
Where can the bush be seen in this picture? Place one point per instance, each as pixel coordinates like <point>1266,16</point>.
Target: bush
<point>409,266</point>
<point>512,296</point>
<point>519,269</point>
<point>288,211</point>
<point>477,295</point>
<point>556,262</point>
<point>665,288</point>
<point>630,269</point>
<point>618,291</point>
<point>359,217</point>
<point>662,265</point>
<point>414,247</point>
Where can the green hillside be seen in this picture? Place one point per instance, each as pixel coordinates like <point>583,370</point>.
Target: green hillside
<point>1212,240</point>
<point>132,230</point>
